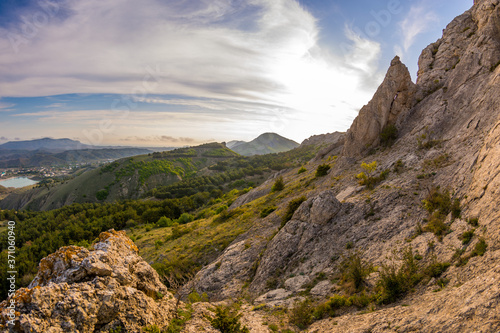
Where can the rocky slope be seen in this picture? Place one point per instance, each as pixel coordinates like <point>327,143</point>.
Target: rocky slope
<point>448,126</point>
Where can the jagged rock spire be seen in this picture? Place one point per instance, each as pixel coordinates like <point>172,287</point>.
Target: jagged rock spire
<point>395,94</point>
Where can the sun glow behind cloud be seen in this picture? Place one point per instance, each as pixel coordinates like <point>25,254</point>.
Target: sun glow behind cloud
<point>247,66</point>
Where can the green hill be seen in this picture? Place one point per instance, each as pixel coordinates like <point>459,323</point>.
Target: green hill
<point>128,178</point>
<point>266,143</point>
<point>198,203</point>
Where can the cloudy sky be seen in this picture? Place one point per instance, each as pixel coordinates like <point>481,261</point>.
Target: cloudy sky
<point>182,72</point>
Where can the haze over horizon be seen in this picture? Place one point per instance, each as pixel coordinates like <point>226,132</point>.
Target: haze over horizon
<point>168,73</point>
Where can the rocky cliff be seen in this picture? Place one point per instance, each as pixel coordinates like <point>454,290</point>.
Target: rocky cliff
<point>447,139</point>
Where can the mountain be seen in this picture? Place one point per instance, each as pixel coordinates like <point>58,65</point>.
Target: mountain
<point>39,158</point>
<point>396,228</point>
<point>45,144</point>
<point>266,143</point>
<point>234,143</point>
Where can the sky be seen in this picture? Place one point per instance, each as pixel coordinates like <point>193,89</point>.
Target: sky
<point>184,72</point>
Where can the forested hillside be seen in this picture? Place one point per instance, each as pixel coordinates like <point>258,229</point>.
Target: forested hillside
<point>203,193</point>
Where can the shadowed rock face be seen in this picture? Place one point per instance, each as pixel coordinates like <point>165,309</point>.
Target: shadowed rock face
<point>80,290</point>
<point>394,96</point>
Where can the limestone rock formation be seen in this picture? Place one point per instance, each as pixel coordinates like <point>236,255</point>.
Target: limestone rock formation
<point>394,96</point>
<point>449,134</point>
<point>80,290</point>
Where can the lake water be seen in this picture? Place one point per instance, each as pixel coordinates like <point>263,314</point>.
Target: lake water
<point>17,182</point>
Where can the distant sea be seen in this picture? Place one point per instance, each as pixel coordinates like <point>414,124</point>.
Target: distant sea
<point>17,182</point>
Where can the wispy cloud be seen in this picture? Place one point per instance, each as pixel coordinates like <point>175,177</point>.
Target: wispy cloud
<point>160,139</point>
<point>419,20</point>
<point>258,62</point>
<point>6,106</point>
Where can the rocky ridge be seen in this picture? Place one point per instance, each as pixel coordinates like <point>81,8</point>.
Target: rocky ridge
<point>447,137</point>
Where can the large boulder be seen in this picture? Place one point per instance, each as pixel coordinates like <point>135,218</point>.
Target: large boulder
<point>81,290</point>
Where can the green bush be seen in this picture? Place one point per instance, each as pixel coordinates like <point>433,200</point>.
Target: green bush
<point>354,270</point>
<point>368,177</point>
<point>227,320</point>
<point>102,195</point>
<point>278,185</point>
<point>480,248</point>
<point>164,222</point>
<point>466,237</point>
<point>301,170</point>
<point>266,211</point>
<point>388,135</point>
<point>436,225</point>
<point>185,218</point>
<point>178,323</point>
<point>473,221</point>
<point>302,314</point>
<point>456,209</point>
<point>194,297</point>
<point>435,269</point>
<point>221,209</point>
<point>158,243</point>
<point>322,170</point>
<point>291,208</point>
<point>395,282</point>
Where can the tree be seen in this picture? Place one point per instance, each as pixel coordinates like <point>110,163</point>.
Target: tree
<point>279,185</point>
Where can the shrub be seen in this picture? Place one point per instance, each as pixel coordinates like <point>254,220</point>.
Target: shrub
<point>178,323</point>
<point>322,170</point>
<point>302,314</point>
<point>368,177</point>
<point>394,282</point>
<point>354,270</point>
<point>438,201</point>
<point>151,329</point>
<point>102,195</point>
<point>480,248</point>
<point>301,170</point>
<point>220,209</point>
<point>266,211</point>
<point>291,208</point>
<point>158,243</point>
<point>227,320</point>
<point>185,218</point>
<point>164,222</point>
<point>436,225</point>
<point>435,269</point>
<point>388,135</point>
<point>398,166</point>
<point>178,232</point>
<point>278,185</point>
<point>455,209</point>
<point>473,221</point>
<point>466,237</point>
<point>194,297</point>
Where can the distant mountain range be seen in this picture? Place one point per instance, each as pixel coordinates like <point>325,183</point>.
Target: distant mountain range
<point>46,144</point>
<point>57,152</point>
<point>266,143</point>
